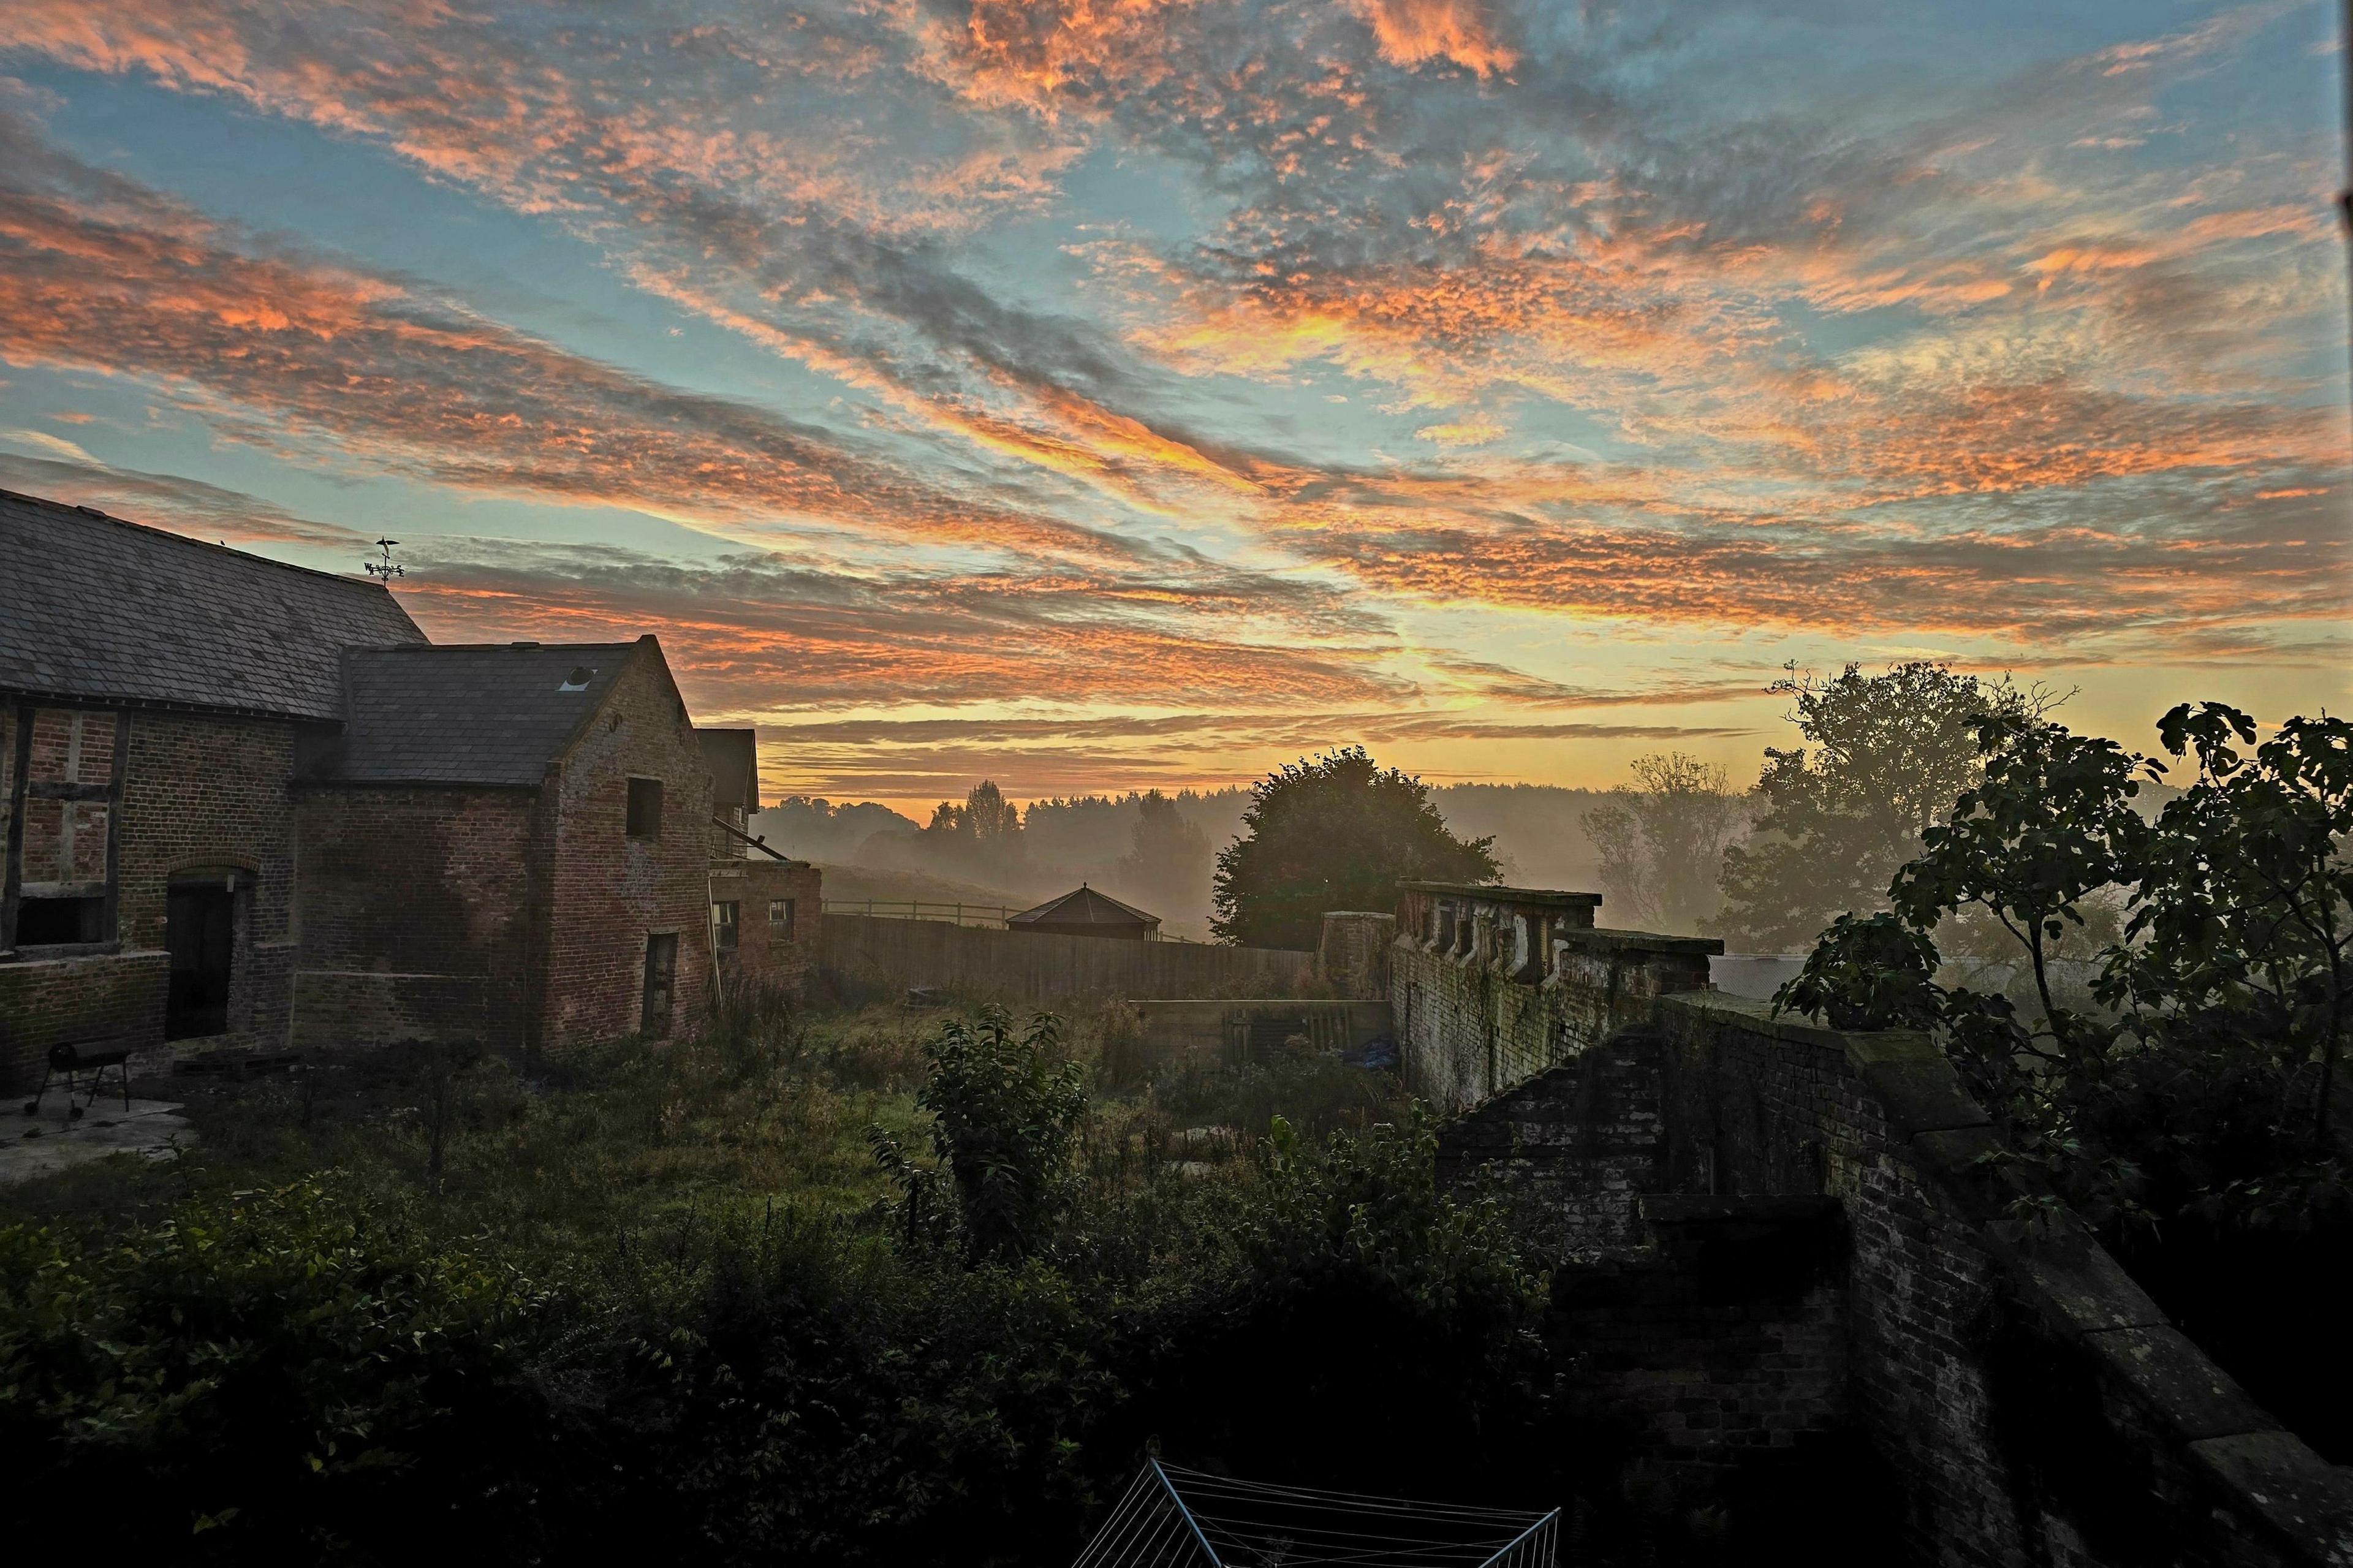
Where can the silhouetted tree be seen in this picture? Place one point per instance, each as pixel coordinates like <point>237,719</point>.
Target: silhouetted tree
<point>1662,839</point>
<point>985,818</point>
<point>1334,832</point>
<point>1886,755</point>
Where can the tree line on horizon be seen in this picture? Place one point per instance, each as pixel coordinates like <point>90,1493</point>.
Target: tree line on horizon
<point>1677,848</point>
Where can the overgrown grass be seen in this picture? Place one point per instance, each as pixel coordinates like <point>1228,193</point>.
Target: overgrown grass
<point>563,1150</point>
<point>651,1297</point>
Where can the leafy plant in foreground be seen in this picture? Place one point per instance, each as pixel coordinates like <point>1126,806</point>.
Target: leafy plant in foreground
<point>1005,1116</point>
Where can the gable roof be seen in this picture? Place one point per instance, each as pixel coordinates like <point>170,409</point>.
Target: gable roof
<point>95,609</point>
<point>1084,907</point>
<point>494,714</point>
<point>733,758</point>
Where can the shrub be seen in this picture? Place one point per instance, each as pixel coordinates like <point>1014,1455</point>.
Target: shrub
<point>275,1371</point>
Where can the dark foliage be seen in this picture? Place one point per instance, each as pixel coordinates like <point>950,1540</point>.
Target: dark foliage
<point>2193,1116</point>
<point>1004,1113</point>
<point>1868,972</point>
<point>293,1376</point>
<point>1334,832</point>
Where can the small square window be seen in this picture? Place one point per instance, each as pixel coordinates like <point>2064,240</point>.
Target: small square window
<point>645,808</point>
<point>723,923</point>
<point>780,917</point>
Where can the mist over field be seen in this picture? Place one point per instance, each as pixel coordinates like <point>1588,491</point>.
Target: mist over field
<point>872,851</point>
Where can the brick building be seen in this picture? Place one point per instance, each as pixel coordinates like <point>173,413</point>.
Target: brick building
<point>153,692</point>
<point>245,801</point>
<point>507,842</point>
<point>765,907</point>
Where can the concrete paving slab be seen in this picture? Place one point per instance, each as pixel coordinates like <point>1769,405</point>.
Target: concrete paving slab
<point>42,1144</point>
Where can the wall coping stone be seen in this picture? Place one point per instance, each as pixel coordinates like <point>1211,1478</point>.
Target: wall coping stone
<point>2074,1284</point>
<point>1917,1087</point>
<point>2195,1398</point>
<point>1750,1013</point>
<point>1638,940</point>
<point>2306,1500</point>
<point>1309,1002</point>
<point>1497,893</point>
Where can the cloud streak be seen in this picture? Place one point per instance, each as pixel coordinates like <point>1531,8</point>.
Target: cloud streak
<point>1222,357</point>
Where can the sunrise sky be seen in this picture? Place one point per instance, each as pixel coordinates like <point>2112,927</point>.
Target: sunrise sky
<point>1129,394</point>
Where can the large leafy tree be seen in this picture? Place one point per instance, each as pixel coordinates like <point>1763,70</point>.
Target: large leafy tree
<point>1885,756</point>
<point>2204,1086</point>
<point>1334,832</point>
<point>1662,839</point>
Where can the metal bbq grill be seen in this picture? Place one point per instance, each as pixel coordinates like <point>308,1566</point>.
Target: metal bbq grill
<point>75,1057</point>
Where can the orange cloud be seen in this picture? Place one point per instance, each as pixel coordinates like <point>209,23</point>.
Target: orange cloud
<point>1415,32</point>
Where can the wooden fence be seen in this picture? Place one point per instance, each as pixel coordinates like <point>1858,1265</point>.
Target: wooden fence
<point>1026,967</point>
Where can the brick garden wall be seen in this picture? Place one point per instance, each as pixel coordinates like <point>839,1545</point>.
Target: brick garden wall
<point>1028,967</point>
<point>1758,1105</point>
<point>610,891</point>
<point>414,915</point>
<point>1585,1135</point>
<point>45,1001</point>
<point>1478,1013</point>
<point>2034,1405</point>
<point>1728,1338</point>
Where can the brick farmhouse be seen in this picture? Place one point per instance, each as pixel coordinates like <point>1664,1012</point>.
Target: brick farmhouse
<point>242,801</point>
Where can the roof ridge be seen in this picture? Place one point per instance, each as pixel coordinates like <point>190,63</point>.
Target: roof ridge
<point>520,647</point>
<point>94,514</point>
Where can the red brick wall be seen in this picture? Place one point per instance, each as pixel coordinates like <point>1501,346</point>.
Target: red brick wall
<point>50,1000</point>
<point>8,767</point>
<point>202,793</point>
<point>611,892</point>
<point>413,915</point>
<point>65,840</point>
<point>765,954</point>
<point>197,792</point>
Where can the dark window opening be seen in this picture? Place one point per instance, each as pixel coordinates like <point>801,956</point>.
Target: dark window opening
<point>780,917</point>
<point>645,808</point>
<point>200,930</point>
<point>722,925</point>
<point>662,978</point>
<point>43,923</point>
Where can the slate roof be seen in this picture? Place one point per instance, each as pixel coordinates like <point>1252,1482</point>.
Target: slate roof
<point>733,758</point>
<point>101,610</point>
<point>467,713</point>
<point>1084,907</point>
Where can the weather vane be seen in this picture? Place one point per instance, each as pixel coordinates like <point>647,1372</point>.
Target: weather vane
<point>386,568</point>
